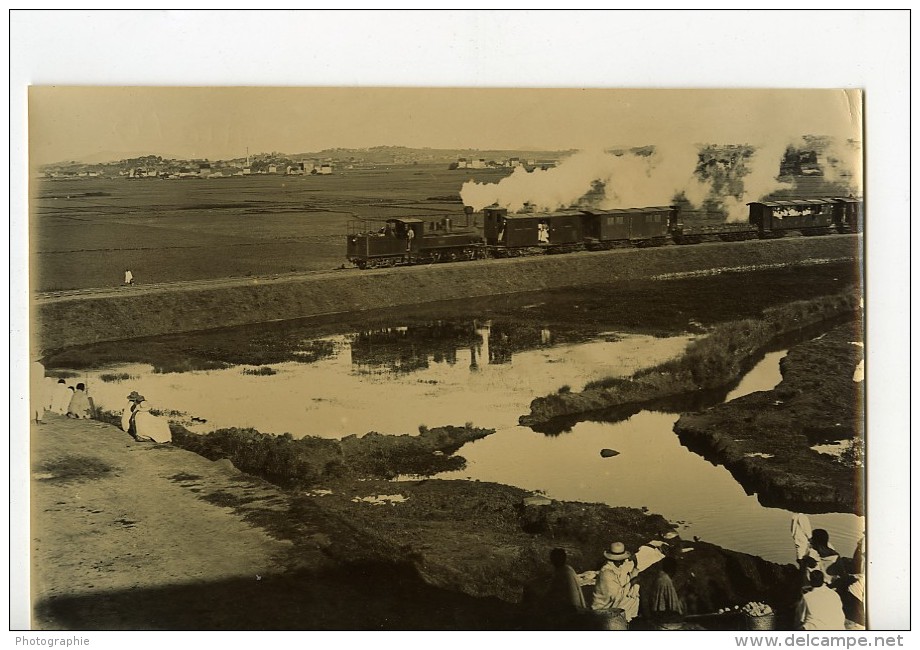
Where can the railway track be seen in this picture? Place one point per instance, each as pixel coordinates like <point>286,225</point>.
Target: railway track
<point>92,293</point>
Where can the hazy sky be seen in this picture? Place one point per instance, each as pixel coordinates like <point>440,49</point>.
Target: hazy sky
<point>221,122</point>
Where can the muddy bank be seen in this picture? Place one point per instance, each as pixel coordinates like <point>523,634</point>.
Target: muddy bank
<point>219,549</point>
<point>306,461</point>
<point>767,439</point>
<point>482,539</point>
<point>138,311</point>
<point>710,363</point>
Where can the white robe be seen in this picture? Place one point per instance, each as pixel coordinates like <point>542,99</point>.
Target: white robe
<point>61,399</point>
<point>150,426</point>
<point>801,535</point>
<point>821,609</point>
<point>48,392</point>
<point>614,588</point>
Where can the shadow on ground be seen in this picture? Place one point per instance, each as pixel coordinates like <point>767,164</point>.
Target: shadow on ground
<point>359,597</point>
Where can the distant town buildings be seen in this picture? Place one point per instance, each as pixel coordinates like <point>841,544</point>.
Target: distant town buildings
<point>513,162</point>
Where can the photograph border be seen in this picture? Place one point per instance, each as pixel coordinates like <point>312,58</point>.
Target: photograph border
<point>446,49</point>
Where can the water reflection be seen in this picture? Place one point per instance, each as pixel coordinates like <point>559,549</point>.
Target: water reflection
<point>763,376</point>
<point>391,380</point>
<point>651,470</point>
<point>414,347</point>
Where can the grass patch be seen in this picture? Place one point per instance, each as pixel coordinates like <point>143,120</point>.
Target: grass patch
<point>109,417</point>
<point>111,377</point>
<point>61,374</point>
<point>184,476</point>
<point>167,413</point>
<point>279,459</point>
<point>76,468</point>
<point>264,371</point>
<point>302,462</point>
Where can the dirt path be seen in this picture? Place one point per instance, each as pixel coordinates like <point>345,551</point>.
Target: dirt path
<point>110,514</point>
<point>185,285</point>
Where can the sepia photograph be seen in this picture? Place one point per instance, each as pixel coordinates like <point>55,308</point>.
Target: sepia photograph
<point>463,357</point>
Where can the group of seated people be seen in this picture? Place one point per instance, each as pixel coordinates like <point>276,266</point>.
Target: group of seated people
<point>833,587</point>
<point>58,397</point>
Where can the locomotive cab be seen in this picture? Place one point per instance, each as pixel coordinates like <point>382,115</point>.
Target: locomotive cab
<point>494,221</point>
<point>373,243</point>
<point>401,229</point>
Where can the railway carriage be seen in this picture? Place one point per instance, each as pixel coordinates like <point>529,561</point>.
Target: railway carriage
<point>848,215</point>
<point>629,226</point>
<point>808,216</point>
<point>509,235</point>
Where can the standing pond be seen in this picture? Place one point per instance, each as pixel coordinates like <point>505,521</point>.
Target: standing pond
<point>394,379</point>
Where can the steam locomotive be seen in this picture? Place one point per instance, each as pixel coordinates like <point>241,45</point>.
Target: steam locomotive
<point>415,241</point>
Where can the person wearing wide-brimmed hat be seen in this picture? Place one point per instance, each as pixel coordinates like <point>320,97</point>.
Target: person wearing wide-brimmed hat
<point>150,428</point>
<point>616,587</point>
<point>127,415</point>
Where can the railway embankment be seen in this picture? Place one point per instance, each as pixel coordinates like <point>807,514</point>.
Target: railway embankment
<point>132,312</point>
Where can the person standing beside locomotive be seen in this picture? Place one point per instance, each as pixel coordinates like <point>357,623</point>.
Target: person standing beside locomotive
<point>410,235</point>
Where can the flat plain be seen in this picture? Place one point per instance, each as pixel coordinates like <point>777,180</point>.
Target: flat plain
<point>85,232</point>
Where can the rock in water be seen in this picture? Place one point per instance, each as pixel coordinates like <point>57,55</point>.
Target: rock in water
<point>609,453</point>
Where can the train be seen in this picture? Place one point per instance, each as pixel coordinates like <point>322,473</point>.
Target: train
<point>402,241</point>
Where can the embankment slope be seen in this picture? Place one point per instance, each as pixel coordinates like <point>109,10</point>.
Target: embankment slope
<point>109,316</point>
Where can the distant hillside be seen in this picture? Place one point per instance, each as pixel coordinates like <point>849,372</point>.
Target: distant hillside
<point>383,155</point>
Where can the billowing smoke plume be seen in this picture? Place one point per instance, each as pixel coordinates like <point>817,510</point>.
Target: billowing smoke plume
<point>636,178</point>
<point>706,176</point>
<point>843,164</point>
<point>761,180</point>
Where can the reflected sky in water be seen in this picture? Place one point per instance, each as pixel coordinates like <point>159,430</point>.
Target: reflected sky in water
<point>393,380</point>
<point>391,387</point>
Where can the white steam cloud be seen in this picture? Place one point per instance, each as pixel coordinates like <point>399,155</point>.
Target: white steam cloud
<point>656,175</point>
<point>761,180</point>
<point>628,180</point>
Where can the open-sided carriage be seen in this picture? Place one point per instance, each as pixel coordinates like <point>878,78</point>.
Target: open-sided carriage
<point>807,216</point>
